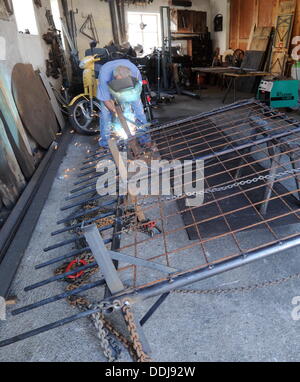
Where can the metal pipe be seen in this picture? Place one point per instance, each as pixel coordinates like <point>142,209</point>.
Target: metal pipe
<point>202,274</point>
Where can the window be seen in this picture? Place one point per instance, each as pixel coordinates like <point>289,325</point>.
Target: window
<point>25,16</point>
<point>144,29</point>
<point>57,18</point>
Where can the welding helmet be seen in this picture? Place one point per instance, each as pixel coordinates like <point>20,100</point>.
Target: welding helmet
<point>126,90</point>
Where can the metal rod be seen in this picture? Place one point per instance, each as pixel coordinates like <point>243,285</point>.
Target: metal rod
<point>80,224</point>
<point>48,327</point>
<point>59,277</point>
<point>73,240</point>
<point>88,179</point>
<point>73,197</point>
<point>84,187</point>
<point>81,203</point>
<point>83,213</point>
<point>67,256</point>
<point>58,297</point>
<point>154,308</point>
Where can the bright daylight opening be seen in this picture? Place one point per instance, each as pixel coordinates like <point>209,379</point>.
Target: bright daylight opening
<point>57,18</point>
<point>144,29</point>
<point>25,16</point>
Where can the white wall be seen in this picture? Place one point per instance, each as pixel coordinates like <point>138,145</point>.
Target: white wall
<point>100,11</point>
<point>23,48</point>
<point>220,39</point>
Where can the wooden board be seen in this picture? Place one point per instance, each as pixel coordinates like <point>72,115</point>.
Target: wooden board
<point>53,100</point>
<point>12,181</point>
<point>14,128</point>
<point>283,33</point>
<point>34,105</point>
<point>263,14</point>
<point>287,7</point>
<point>260,39</point>
<point>246,19</point>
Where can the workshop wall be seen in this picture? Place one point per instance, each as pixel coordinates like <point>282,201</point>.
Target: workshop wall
<point>262,12</point>
<point>101,14</point>
<point>24,48</point>
<point>18,144</point>
<point>198,5</point>
<point>100,11</point>
<point>220,39</point>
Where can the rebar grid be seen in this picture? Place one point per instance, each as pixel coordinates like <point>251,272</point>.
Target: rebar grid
<point>208,137</point>
<point>240,144</point>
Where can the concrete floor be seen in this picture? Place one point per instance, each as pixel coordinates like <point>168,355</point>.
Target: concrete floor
<point>253,326</point>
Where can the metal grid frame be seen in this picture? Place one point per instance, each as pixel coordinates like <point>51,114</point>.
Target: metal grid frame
<point>237,142</point>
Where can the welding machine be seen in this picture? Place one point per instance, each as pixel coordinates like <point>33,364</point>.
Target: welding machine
<point>279,93</point>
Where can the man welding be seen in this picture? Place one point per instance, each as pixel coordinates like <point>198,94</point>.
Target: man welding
<point>120,81</point>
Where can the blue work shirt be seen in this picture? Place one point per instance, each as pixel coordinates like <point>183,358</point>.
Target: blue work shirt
<point>106,75</point>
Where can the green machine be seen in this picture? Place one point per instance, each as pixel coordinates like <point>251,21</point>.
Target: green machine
<point>279,93</point>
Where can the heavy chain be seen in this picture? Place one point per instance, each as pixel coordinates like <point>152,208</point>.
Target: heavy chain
<point>104,329</point>
<point>223,188</point>
<point>241,289</point>
<point>138,347</point>
<point>110,348</point>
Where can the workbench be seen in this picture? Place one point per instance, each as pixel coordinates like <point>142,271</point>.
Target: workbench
<point>235,76</point>
<point>233,73</point>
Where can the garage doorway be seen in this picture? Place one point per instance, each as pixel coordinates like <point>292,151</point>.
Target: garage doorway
<point>144,29</point>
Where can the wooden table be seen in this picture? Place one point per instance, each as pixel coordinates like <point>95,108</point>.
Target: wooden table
<point>235,76</point>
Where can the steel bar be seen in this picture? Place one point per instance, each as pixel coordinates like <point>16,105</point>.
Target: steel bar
<point>86,173</point>
<point>58,297</point>
<point>73,197</point>
<point>67,256</point>
<point>88,179</point>
<point>269,188</point>
<point>154,308</point>
<point>73,240</point>
<point>48,327</point>
<point>81,203</point>
<point>59,277</point>
<point>96,159</point>
<point>83,213</point>
<point>141,262</point>
<point>102,256</point>
<point>99,217</point>
<point>75,190</point>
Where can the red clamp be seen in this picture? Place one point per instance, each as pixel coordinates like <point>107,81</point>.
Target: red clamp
<point>71,265</point>
<point>150,225</point>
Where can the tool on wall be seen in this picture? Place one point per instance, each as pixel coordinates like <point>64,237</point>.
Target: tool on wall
<point>89,30</point>
<point>56,64</point>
